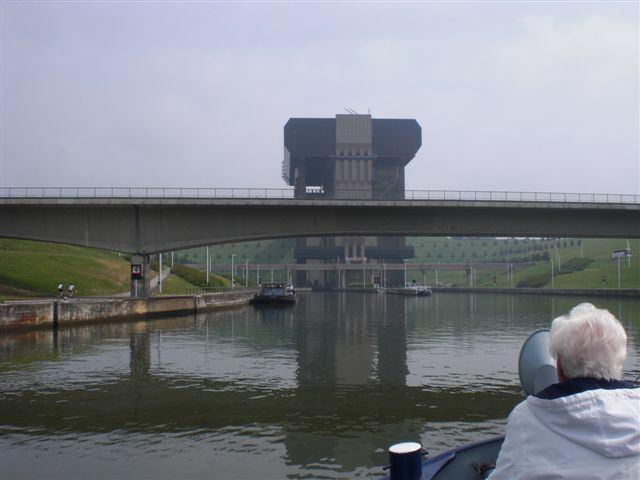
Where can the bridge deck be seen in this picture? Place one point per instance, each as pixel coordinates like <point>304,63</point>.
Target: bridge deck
<point>158,201</point>
<point>151,225</point>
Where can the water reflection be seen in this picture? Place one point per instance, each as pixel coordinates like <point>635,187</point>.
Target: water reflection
<point>316,390</point>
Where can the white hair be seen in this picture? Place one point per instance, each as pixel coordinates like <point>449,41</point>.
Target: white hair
<point>590,342</point>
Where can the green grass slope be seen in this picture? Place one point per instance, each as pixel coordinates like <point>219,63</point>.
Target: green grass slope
<point>262,252</point>
<point>175,285</point>
<point>32,269</point>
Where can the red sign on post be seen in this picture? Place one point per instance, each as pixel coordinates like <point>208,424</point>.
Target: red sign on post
<point>136,271</point>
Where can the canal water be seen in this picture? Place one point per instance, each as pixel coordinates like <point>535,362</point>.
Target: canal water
<point>318,390</point>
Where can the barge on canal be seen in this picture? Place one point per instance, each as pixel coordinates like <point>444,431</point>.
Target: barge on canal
<point>275,294</point>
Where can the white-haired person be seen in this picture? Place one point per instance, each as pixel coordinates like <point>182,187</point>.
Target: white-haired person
<point>586,426</point>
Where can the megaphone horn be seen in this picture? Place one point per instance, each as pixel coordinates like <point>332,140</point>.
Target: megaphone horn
<point>536,367</point>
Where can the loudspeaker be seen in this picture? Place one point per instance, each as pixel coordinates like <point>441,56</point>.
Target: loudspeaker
<point>536,367</point>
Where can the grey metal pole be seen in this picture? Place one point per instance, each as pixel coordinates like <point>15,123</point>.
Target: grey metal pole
<point>233,272</point>
<point>160,273</point>
<point>272,275</point>
<point>171,259</point>
<point>207,265</point>
<point>246,273</point>
<point>405,271</point>
<point>551,272</point>
<point>364,273</point>
<point>258,275</point>
<point>618,259</point>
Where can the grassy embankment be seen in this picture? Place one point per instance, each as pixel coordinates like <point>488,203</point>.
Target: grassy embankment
<point>183,279</point>
<point>446,250</point>
<point>263,252</point>
<point>34,269</point>
<point>30,269</point>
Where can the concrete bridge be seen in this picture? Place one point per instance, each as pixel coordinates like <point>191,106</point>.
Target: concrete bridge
<point>150,224</point>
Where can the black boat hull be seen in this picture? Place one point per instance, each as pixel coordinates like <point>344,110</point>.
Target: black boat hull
<point>273,300</point>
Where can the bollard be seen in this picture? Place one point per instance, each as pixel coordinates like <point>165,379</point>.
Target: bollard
<point>405,461</point>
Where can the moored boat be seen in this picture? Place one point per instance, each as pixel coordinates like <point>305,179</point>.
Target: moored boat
<point>411,291</point>
<point>275,294</point>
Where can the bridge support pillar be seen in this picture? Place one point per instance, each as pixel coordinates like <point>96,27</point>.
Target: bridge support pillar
<point>140,276</point>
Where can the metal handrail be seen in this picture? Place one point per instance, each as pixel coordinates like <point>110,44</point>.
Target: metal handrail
<point>289,193</point>
<point>206,291</point>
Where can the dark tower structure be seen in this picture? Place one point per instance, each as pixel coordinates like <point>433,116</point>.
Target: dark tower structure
<point>349,156</point>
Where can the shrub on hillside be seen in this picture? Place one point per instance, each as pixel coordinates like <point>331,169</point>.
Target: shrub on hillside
<point>576,264</point>
<point>535,281</point>
<point>191,275</point>
<point>197,277</point>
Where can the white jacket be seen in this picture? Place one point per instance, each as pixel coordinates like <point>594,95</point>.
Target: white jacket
<point>593,434</point>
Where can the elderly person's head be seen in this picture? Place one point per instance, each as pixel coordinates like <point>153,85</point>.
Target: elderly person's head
<point>588,342</point>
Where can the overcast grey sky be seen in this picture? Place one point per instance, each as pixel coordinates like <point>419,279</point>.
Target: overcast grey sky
<point>511,96</point>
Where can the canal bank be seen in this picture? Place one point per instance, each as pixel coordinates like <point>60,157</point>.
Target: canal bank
<point>51,313</point>
<point>581,292</point>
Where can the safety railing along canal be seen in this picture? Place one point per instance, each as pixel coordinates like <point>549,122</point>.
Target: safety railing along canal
<point>311,194</point>
<point>221,291</point>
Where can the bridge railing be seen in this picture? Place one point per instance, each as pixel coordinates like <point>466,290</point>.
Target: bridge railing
<point>289,193</point>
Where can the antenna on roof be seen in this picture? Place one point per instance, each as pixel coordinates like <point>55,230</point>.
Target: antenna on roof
<point>351,111</point>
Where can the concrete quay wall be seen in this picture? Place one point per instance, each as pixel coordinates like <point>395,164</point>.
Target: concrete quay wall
<point>55,313</point>
<point>35,314</point>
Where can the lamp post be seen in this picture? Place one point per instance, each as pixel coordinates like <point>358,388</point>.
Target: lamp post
<point>233,271</point>
<point>405,271</point>
<point>206,268</point>
<point>246,273</point>
<point>160,272</point>
<point>551,271</point>
<point>364,272</point>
